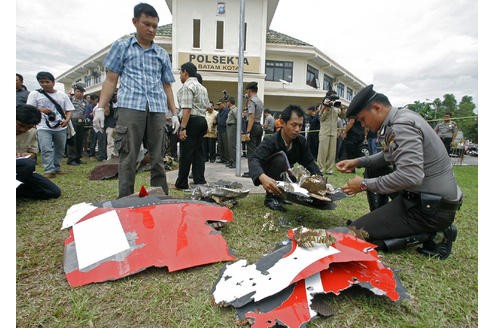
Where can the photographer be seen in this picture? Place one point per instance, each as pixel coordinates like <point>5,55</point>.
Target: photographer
<point>327,148</point>
<point>55,108</point>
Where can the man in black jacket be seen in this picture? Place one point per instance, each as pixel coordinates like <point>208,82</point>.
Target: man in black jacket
<point>277,153</point>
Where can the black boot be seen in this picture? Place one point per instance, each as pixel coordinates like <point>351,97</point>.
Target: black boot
<point>443,249</point>
<point>398,243</point>
<point>274,203</point>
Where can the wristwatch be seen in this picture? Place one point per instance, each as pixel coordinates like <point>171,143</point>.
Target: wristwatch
<point>363,186</point>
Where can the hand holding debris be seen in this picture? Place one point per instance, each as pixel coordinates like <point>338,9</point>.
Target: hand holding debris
<point>353,186</point>
<point>269,184</point>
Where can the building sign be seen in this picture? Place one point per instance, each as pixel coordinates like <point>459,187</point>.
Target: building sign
<point>221,63</point>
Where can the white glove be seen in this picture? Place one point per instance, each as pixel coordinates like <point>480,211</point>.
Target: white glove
<point>98,119</point>
<point>175,124</point>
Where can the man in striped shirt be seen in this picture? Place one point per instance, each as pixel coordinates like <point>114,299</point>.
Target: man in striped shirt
<point>145,97</point>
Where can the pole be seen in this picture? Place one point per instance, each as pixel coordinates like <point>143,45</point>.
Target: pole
<point>240,90</point>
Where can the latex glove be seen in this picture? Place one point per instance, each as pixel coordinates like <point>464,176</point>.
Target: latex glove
<point>98,119</point>
<point>175,124</point>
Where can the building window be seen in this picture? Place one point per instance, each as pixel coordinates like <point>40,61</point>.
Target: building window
<point>312,77</point>
<point>278,70</point>
<point>196,33</point>
<point>245,36</point>
<point>220,8</point>
<point>349,94</point>
<point>340,90</point>
<point>219,34</point>
<point>327,82</point>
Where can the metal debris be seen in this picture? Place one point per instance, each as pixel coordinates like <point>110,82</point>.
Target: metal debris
<point>221,192</point>
<point>160,232</point>
<point>286,287</point>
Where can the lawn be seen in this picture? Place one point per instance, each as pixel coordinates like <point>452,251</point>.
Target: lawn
<point>443,293</point>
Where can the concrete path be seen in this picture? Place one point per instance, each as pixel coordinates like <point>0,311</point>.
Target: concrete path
<point>218,171</point>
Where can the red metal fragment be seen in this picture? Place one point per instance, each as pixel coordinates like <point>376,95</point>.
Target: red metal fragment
<point>174,235</point>
<point>143,192</point>
<point>296,309</point>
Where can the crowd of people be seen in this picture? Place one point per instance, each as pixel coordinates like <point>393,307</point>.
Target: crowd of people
<point>120,123</point>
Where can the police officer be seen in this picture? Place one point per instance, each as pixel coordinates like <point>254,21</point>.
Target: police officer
<point>427,193</point>
<point>447,131</point>
<point>255,110</point>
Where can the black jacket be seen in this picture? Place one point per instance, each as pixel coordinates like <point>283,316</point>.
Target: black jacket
<point>299,153</point>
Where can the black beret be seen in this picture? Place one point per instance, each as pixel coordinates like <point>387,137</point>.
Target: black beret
<point>252,86</point>
<point>79,87</point>
<point>361,100</point>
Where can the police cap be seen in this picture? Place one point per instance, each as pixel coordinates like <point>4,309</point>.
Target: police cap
<point>361,100</point>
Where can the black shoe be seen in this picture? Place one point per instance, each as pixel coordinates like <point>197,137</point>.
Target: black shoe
<point>212,161</point>
<point>443,249</point>
<point>246,175</point>
<point>182,187</point>
<point>73,163</point>
<point>231,166</point>
<point>274,204</point>
<point>228,164</point>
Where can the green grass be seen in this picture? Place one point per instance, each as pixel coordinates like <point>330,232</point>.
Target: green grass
<point>443,293</point>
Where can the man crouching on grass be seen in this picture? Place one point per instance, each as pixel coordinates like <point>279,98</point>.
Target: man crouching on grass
<point>277,153</point>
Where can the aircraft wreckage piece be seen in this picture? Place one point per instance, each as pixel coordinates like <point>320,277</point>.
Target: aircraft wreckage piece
<point>157,231</point>
<point>295,306</point>
<point>240,283</point>
<point>221,192</point>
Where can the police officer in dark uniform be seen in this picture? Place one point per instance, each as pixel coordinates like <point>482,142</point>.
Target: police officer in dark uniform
<point>427,193</point>
<point>254,129</point>
<point>277,153</point>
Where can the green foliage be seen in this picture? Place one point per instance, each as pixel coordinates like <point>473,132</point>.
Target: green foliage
<point>443,293</point>
<point>434,111</point>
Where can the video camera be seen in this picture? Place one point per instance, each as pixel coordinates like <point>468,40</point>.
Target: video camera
<point>330,99</point>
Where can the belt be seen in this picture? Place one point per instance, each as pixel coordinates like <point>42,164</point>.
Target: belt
<point>444,204</point>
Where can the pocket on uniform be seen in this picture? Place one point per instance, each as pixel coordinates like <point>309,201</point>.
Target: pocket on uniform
<point>121,139</point>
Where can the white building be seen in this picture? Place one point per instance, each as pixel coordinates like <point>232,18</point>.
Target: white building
<point>288,71</point>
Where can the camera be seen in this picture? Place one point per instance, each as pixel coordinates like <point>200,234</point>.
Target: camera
<point>330,99</point>
<point>51,116</point>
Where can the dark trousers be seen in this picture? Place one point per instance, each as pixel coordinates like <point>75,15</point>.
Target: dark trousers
<point>231,138</point>
<point>33,185</point>
<point>172,148</point>
<point>191,153</point>
<point>352,149</point>
<point>401,218</point>
<point>209,148</point>
<point>313,142</point>
<point>75,144</point>
<point>101,140</point>
<point>223,145</point>
<point>133,128</point>
<point>340,150</point>
<point>255,138</point>
<point>92,143</point>
<point>447,143</point>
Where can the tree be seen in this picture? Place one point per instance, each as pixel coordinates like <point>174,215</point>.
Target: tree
<point>464,110</point>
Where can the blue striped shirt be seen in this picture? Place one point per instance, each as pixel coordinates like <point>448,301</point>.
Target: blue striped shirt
<point>143,72</point>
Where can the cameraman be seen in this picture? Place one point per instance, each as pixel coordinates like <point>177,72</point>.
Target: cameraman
<point>52,133</point>
<point>327,147</point>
